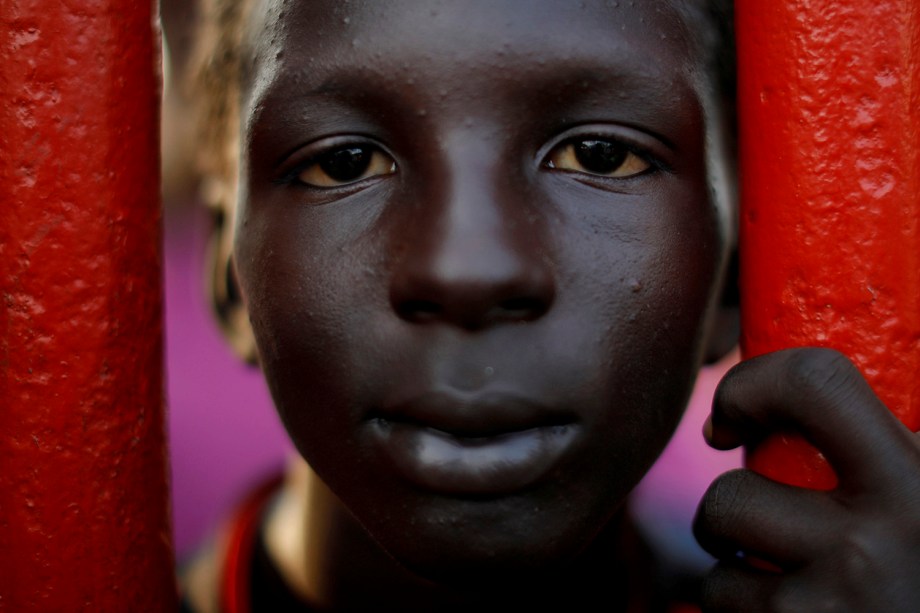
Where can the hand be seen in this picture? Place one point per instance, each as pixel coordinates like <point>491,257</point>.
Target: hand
<point>854,548</point>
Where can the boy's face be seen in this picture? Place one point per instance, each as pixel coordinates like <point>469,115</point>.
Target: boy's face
<point>477,250</point>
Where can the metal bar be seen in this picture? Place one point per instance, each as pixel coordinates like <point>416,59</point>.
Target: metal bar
<point>829,107</point>
<point>84,510</point>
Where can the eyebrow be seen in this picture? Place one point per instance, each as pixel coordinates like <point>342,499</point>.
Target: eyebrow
<point>640,91</point>
<point>651,101</point>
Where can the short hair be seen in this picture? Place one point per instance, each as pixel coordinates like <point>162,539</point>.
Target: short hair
<point>216,82</point>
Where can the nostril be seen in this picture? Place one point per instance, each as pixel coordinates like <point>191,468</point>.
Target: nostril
<point>521,308</point>
<point>419,310</point>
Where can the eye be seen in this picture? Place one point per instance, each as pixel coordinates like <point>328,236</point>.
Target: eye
<point>605,158</point>
<point>344,165</point>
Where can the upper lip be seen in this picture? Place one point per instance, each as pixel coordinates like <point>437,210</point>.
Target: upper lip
<point>474,416</point>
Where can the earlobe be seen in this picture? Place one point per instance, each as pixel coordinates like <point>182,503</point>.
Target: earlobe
<point>725,324</point>
<point>224,290</point>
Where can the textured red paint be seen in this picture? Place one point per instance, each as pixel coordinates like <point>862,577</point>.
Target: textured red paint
<point>829,102</point>
<point>84,521</point>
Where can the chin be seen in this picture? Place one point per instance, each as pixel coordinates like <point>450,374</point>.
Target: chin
<point>484,546</point>
<point>485,572</point>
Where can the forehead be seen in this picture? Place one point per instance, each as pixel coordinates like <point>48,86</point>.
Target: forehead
<point>316,44</point>
<point>452,25</point>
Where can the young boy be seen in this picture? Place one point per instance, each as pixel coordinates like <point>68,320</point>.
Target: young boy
<point>480,255</point>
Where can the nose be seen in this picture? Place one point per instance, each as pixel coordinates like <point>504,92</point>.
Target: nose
<point>472,255</point>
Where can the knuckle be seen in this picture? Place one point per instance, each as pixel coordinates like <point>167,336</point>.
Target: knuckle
<point>784,601</point>
<point>798,596</point>
<point>819,372</point>
<point>794,602</point>
<point>861,552</point>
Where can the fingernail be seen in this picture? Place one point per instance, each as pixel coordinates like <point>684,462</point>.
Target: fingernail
<point>707,428</point>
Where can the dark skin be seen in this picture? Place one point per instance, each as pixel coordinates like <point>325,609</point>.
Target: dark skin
<point>856,548</point>
<point>479,256</point>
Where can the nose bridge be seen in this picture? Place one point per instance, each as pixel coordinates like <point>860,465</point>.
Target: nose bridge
<point>471,261</point>
<point>471,235</point>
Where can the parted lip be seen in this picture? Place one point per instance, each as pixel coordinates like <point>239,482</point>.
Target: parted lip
<point>481,445</point>
<point>473,416</point>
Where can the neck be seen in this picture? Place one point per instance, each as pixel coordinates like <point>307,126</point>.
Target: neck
<point>327,558</point>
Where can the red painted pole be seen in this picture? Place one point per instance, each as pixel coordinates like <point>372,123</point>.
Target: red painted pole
<point>84,521</point>
<point>829,103</point>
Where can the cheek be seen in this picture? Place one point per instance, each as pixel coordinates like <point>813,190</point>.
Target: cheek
<point>647,300</point>
<point>303,274</point>
<point>312,293</point>
<point>645,272</point>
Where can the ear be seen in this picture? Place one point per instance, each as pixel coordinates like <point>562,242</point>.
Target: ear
<point>223,287</point>
<point>725,325</point>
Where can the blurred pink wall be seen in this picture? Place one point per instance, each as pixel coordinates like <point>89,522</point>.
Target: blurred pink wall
<point>223,432</point>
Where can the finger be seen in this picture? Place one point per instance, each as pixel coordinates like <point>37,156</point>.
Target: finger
<point>733,588</point>
<point>806,591</point>
<point>745,512</point>
<point>821,394</point>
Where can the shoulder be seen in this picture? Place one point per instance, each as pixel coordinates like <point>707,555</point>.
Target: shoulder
<point>219,572</point>
<point>199,579</point>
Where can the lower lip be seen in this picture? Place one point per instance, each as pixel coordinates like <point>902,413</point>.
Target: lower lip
<point>441,462</point>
